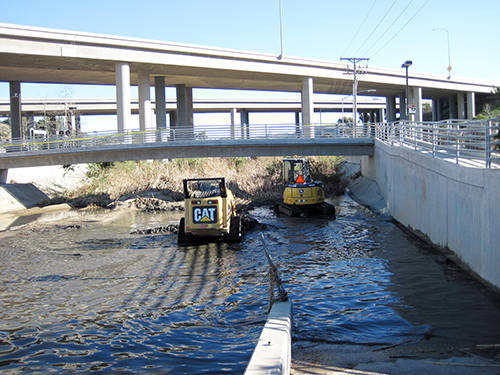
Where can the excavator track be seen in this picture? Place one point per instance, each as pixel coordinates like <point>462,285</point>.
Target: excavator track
<point>284,209</point>
<point>326,209</point>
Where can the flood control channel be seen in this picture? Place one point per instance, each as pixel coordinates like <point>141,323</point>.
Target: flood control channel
<point>98,298</point>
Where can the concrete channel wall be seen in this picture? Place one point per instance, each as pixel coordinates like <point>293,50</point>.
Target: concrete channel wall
<point>456,207</point>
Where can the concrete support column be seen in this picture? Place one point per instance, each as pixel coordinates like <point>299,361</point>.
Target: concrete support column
<point>15,109</point>
<point>3,176</point>
<point>233,123</point>
<point>184,105</point>
<point>78,122</point>
<point>245,124</point>
<point>185,110</point>
<point>440,109</point>
<point>365,116</point>
<point>453,107</point>
<point>381,115</point>
<point>307,106</point>
<point>161,111</point>
<point>172,117</point>
<point>417,101</point>
<point>435,104</point>
<point>461,106</point>
<point>471,105</point>
<point>391,108</point>
<point>123,95</point>
<point>144,101</point>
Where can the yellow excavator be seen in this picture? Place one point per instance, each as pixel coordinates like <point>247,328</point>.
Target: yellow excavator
<point>302,196</point>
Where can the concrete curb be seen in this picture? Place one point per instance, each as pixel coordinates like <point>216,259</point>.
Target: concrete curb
<point>273,353</point>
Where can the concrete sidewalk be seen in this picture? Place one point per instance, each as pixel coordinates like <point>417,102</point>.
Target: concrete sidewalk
<point>419,359</point>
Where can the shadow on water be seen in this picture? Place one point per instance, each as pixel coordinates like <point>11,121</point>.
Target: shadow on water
<point>102,299</point>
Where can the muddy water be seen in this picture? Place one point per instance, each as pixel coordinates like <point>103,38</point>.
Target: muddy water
<point>97,298</point>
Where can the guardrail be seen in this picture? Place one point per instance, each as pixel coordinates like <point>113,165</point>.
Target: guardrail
<point>461,141</point>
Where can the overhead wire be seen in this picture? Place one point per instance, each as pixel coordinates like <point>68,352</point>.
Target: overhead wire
<point>390,26</point>
<point>362,23</point>
<point>376,27</point>
<point>390,40</point>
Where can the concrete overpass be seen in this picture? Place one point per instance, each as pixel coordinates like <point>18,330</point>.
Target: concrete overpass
<point>87,106</point>
<point>29,54</point>
<point>371,109</point>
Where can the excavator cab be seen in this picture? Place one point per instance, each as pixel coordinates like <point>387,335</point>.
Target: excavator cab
<point>296,171</point>
<point>301,194</point>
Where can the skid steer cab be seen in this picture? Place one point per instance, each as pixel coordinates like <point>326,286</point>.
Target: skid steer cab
<point>209,212</point>
<point>301,196</point>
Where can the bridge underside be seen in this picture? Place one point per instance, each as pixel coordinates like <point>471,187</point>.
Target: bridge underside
<point>175,150</point>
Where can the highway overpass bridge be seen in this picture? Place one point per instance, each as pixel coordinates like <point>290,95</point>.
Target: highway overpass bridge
<point>87,106</point>
<point>73,109</point>
<point>29,54</point>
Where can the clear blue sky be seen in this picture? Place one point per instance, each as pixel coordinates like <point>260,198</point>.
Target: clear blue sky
<point>388,32</point>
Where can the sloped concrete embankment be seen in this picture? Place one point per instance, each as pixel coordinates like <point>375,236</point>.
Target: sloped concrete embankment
<point>18,197</point>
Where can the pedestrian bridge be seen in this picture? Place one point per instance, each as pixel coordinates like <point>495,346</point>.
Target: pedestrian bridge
<point>187,142</point>
<point>470,143</point>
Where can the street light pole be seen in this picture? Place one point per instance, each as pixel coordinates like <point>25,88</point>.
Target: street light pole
<point>281,34</point>
<point>448,40</point>
<point>406,65</point>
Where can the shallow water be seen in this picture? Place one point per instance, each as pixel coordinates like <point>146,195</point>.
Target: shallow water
<point>101,299</point>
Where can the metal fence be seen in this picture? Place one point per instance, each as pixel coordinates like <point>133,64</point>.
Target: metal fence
<point>458,140</point>
<point>463,142</point>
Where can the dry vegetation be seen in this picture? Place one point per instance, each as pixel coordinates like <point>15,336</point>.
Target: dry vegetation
<point>257,179</point>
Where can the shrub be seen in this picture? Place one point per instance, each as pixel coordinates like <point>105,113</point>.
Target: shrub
<point>255,178</point>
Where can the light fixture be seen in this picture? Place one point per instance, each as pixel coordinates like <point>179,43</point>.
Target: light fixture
<point>406,65</point>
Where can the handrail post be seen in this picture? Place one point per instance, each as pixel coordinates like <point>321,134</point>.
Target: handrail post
<point>415,132</point>
<point>433,140</point>
<point>487,142</point>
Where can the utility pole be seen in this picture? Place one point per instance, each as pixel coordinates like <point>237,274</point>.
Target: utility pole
<point>355,61</point>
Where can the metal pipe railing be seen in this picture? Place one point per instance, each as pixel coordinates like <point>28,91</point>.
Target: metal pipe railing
<point>450,139</point>
<point>460,141</point>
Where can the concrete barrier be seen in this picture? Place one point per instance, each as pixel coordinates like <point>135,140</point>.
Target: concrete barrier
<point>456,207</point>
<point>273,353</point>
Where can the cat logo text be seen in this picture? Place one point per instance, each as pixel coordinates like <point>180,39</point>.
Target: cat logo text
<point>203,215</point>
